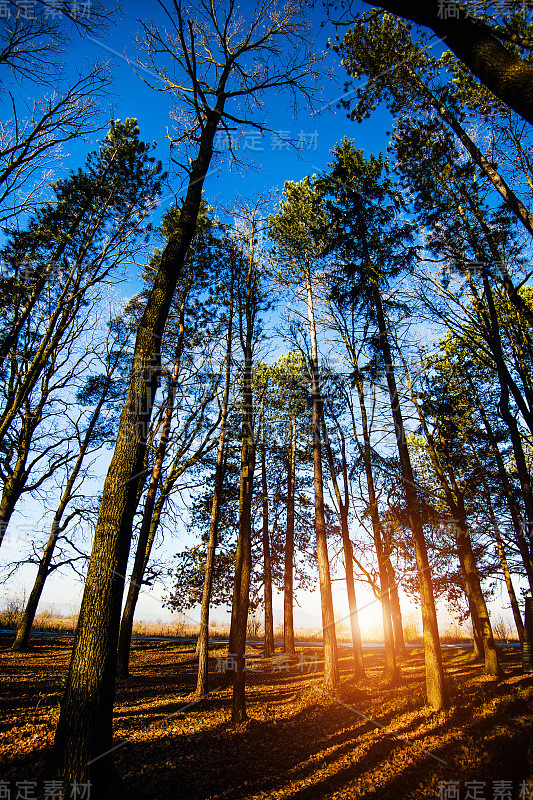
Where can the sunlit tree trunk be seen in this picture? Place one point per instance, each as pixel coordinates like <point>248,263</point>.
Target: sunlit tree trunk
<point>343,505</point>
<point>396,611</point>
<point>331,669</point>
<point>435,682</point>
<point>391,672</point>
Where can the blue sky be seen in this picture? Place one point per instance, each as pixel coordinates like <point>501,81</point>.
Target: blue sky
<point>270,163</point>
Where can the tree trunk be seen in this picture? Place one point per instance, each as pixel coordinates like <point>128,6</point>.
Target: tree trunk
<point>437,695</point>
<point>24,630</point>
<point>141,557</point>
<point>396,612</point>
<point>202,648</point>
<point>288,594</point>
<point>468,561</point>
<point>391,673</point>
<point>505,569</point>
<point>359,667</point>
<point>243,558</point>
<point>331,668</point>
<point>267,566</point>
<point>83,747</point>
<point>479,650</point>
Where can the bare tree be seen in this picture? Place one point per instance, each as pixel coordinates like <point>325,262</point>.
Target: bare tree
<point>89,440</point>
<point>39,123</point>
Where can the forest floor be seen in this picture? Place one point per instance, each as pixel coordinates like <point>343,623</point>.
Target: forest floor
<point>372,741</point>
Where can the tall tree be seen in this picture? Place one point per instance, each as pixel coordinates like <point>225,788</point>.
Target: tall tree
<point>102,389</point>
<point>53,293</point>
<point>295,231</point>
<point>496,54</point>
<point>372,255</point>
<point>403,72</point>
<point>203,634</point>
<point>249,293</point>
<point>226,59</point>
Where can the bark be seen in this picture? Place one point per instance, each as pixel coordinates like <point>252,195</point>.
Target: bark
<point>390,670</point>
<point>343,505</point>
<point>467,558</point>
<point>288,591</point>
<point>437,695</point>
<point>267,566</point>
<point>243,557</point>
<point>202,648</point>
<point>83,741</point>
<point>331,668</point>
<point>474,42</point>
<point>479,650</point>
<point>396,612</point>
<point>139,565</point>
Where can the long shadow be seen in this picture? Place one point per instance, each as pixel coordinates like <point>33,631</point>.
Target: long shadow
<point>267,757</point>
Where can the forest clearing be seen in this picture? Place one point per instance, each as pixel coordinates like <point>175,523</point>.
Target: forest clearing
<point>374,741</point>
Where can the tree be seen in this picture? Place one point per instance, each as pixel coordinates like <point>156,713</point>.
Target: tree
<point>226,59</point>
<point>372,253</point>
<point>497,55</point>
<point>186,315</point>
<point>52,302</point>
<point>403,73</point>
<point>31,44</point>
<point>464,232</point>
<point>285,403</point>
<point>295,231</point>
<point>447,437</point>
<point>250,303</point>
<point>103,389</point>
<point>203,634</point>
<point>343,506</point>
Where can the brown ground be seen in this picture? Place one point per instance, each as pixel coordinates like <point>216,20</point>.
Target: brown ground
<point>375,742</point>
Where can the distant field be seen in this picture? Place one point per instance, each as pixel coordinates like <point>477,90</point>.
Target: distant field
<point>54,623</point>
